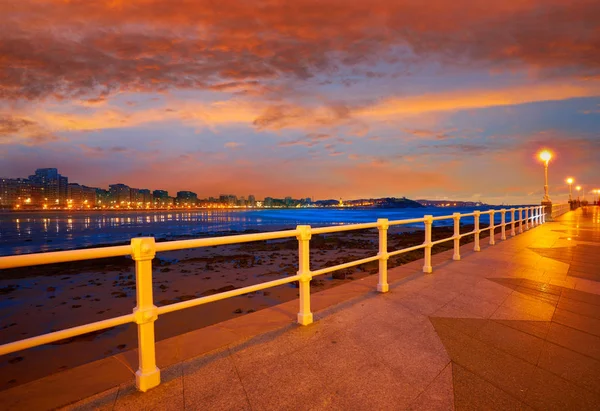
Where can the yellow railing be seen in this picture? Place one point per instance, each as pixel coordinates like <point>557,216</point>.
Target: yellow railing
<point>143,250</point>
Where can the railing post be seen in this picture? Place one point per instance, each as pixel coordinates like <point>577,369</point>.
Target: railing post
<point>456,218</point>
<point>305,317</point>
<point>492,228</point>
<point>143,250</point>
<point>512,222</point>
<point>520,220</point>
<point>428,225</point>
<point>536,214</point>
<point>532,217</point>
<point>526,218</point>
<point>540,214</point>
<point>382,226</point>
<point>503,224</point>
<point>544,215</point>
<point>476,215</point>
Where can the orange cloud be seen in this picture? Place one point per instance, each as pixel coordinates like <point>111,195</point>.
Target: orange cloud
<point>80,48</point>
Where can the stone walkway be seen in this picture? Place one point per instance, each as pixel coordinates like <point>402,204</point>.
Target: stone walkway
<point>515,326</point>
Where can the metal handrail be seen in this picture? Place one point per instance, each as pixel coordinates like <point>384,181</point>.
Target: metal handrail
<point>143,250</point>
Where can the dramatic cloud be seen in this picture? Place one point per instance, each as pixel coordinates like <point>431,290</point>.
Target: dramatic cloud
<point>24,131</point>
<point>71,49</point>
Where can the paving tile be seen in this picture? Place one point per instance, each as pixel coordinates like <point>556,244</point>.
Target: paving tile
<point>579,307</point>
<point>578,295</point>
<point>439,395</point>
<point>104,401</point>
<point>418,359</point>
<point>507,372</point>
<point>467,306</point>
<point>167,396</point>
<point>512,341</point>
<point>287,384</point>
<point>471,392</point>
<point>524,308</point>
<point>380,388</point>
<point>422,304</point>
<point>580,369</point>
<point>213,383</point>
<point>536,328</point>
<point>550,392</point>
<point>579,322</point>
<point>579,341</point>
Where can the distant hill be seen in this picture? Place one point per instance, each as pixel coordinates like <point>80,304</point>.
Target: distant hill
<point>450,203</point>
<point>387,202</point>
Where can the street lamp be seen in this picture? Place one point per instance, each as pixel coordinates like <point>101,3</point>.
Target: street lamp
<point>545,156</point>
<point>578,188</point>
<point>570,183</point>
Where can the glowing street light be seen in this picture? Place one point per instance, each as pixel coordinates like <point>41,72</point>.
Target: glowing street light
<point>545,156</point>
<point>578,188</point>
<point>570,183</point>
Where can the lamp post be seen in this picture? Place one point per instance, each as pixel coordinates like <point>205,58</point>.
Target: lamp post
<point>545,156</point>
<point>578,188</point>
<point>570,183</point>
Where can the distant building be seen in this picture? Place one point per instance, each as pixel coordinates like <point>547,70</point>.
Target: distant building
<point>134,196</point>
<point>81,196</point>
<point>20,192</point>
<point>161,198</point>
<point>251,201</point>
<point>145,196</point>
<point>90,199</point>
<point>120,194</point>
<point>228,199</point>
<point>186,198</point>
<point>102,198</point>
<point>75,195</point>
<point>268,202</point>
<point>53,187</point>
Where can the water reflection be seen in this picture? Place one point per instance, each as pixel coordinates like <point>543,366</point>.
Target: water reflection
<point>39,231</point>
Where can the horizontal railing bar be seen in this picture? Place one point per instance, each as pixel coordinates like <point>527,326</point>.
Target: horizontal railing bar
<point>227,294</point>
<point>467,215</point>
<point>408,221</point>
<point>406,250</point>
<point>345,265</point>
<point>469,233</point>
<point>232,239</point>
<point>27,260</point>
<point>62,334</point>
<point>443,240</point>
<point>442,217</point>
<point>348,227</point>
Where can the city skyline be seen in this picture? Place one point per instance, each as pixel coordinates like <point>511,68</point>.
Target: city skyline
<point>49,189</point>
<point>449,100</point>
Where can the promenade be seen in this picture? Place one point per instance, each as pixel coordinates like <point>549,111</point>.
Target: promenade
<point>515,326</point>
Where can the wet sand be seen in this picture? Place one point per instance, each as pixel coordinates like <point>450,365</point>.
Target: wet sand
<point>41,299</point>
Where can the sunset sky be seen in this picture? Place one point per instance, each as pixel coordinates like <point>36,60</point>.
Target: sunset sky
<point>325,98</point>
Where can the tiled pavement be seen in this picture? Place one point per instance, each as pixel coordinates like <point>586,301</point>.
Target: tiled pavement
<point>516,326</point>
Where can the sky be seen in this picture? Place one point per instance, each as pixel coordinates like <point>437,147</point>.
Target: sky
<point>323,98</point>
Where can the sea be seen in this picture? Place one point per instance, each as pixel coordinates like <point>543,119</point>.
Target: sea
<point>32,232</point>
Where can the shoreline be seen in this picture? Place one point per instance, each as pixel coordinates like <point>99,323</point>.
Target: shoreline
<point>41,299</point>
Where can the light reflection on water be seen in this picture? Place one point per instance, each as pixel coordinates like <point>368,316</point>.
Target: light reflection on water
<point>47,231</point>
